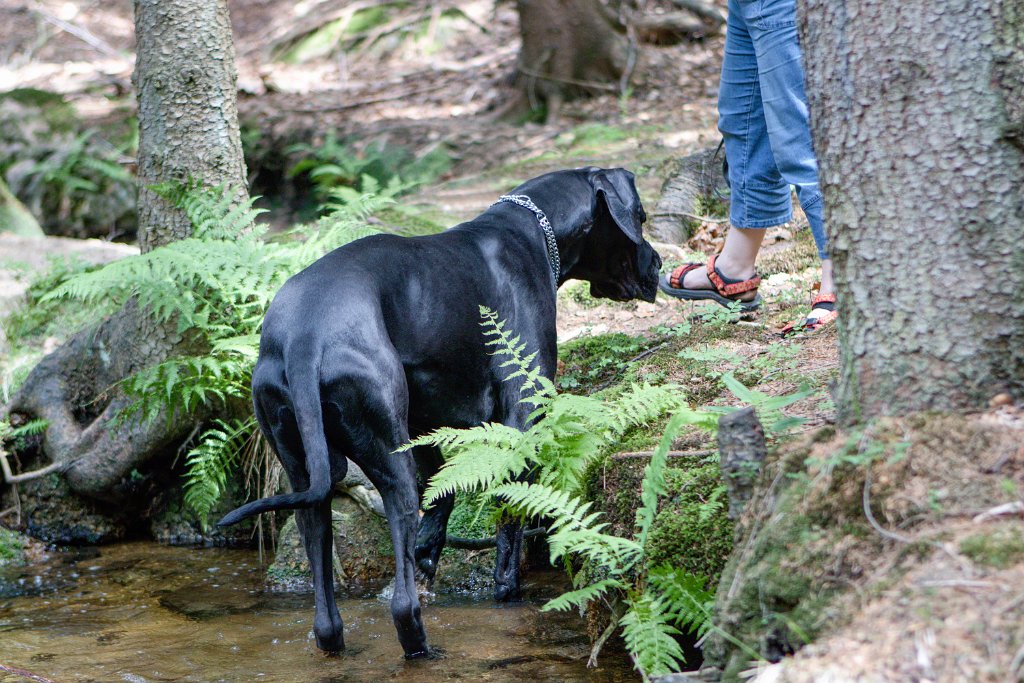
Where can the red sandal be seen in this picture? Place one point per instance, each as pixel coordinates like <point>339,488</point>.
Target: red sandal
<point>822,302</point>
<point>725,290</point>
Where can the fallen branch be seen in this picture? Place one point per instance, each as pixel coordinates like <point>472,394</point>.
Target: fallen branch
<point>569,81</point>
<point>703,10</point>
<point>483,543</point>
<point>370,100</point>
<point>26,674</point>
<point>78,32</point>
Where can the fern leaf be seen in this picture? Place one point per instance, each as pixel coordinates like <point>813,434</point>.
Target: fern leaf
<point>581,597</point>
<point>650,637</point>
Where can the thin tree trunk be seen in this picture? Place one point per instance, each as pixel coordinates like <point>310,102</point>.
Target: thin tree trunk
<point>185,78</point>
<point>917,111</point>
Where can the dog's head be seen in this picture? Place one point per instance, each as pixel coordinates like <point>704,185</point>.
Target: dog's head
<point>616,259</point>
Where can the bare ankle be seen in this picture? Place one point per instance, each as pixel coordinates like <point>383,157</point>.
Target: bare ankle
<point>735,270</point>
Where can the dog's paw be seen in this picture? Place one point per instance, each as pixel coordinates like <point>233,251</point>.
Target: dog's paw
<point>427,654</point>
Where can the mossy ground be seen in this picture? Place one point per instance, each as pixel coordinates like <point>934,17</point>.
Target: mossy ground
<point>867,537</point>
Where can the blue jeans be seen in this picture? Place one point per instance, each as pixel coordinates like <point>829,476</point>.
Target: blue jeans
<point>763,117</point>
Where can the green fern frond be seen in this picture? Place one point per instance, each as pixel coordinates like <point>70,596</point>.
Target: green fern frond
<point>474,458</point>
<point>209,464</point>
<point>650,637</point>
<point>683,597</point>
<point>573,529</point>
<point>581,597</point>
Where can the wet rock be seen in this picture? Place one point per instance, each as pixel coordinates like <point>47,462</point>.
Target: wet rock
<point>51,512</point>
<point>17,549</point>
<point>363,556</point>
<point>208,601</point>
<point>174,523</point>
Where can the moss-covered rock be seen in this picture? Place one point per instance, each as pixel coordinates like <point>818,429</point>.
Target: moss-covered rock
<point>859,511</point>
<point>692,529</point>
<point>12,547</point>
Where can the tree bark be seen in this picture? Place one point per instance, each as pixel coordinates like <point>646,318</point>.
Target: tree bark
<point>185,78</point>
<point>917,112</point>
<point>570,48</point>
<point>185,75</point>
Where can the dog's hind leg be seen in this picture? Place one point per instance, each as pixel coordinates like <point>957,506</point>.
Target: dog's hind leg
<point>277,421</point>
<point>433,527</point>
<point>394,475</point>
<point>318,537</point>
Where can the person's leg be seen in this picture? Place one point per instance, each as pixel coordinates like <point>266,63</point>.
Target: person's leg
<point>781,77</point>
<point>760,197</point>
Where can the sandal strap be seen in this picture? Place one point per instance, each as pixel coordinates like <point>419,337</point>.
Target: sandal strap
<point>823,299</point>
<point>812,324</point>
<point>675,279</point>
<point>724,286</point>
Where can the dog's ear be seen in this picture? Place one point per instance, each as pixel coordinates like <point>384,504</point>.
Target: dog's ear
<point>618,188</point>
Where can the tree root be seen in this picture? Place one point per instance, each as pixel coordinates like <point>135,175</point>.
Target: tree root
<point>75,389</point>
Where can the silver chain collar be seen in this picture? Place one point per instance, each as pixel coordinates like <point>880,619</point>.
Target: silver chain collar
<point>549,233</point>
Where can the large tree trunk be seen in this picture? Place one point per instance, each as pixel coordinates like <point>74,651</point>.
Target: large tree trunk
<point>570,48</point>
<point>185,75</point>
<point>185,79</point>
<point>917,113</point>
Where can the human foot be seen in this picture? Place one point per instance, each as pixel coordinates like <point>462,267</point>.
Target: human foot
<point>823,312</point>
<point>695,281</point>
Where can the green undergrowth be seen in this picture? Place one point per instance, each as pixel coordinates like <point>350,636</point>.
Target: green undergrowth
<point>12,547</point>
<point>1000,548</point>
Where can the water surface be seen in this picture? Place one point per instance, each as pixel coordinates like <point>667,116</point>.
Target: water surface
<point>143,612</point>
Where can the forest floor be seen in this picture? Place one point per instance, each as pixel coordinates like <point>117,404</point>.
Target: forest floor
<point>444,88</point>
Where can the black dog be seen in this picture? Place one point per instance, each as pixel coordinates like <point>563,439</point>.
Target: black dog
<point>380,341</point>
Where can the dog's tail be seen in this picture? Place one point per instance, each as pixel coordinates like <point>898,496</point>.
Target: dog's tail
<point>304,385</point>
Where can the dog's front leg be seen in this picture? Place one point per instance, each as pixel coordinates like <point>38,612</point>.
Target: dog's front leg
<point>430,539</point>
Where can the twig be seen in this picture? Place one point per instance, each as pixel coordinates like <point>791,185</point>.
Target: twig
<point>12,478</point>
<point>569,81</point>
<point>483,543</point>
<point>871,517</point>
<point>603,638</point>
<point>1016,507</point>
<point>959,583</point>
<point>370,100</point>
<point>26,674</point>
<point>78,32</point>
<point>1018,662</point>
<point>1016,602</point>
<point>641,356</point>
<point>670,454</point>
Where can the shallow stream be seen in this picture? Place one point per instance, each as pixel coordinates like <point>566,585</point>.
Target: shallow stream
<point>142,612</point>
